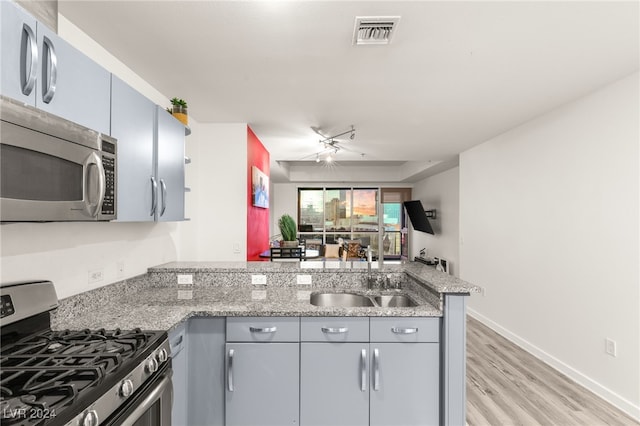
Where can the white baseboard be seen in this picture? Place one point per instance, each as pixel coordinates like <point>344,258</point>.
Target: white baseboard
<point>585,381</point>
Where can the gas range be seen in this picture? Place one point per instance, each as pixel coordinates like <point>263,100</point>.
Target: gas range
<point>86,377</point>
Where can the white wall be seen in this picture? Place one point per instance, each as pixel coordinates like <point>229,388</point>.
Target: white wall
<point>217,205</point>
<point>549,216</point>
<point>66,252</point>
<point>440,192</point>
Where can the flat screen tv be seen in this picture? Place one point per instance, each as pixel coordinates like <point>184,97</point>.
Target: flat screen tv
<point>417,216</point>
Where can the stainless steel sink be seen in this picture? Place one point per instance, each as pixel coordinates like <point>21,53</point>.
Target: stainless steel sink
<point>353,300</point>
<point>394,301</point>
<point>341,300</point>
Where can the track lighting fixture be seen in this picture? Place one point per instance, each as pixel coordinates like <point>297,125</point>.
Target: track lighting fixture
<point>331,144</point>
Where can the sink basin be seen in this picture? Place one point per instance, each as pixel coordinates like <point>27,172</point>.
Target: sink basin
<point>341,300</point>
<point>394,301</point>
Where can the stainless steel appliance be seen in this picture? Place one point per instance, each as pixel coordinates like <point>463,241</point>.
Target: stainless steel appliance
<point>86,377</point>
<point>53,169</point>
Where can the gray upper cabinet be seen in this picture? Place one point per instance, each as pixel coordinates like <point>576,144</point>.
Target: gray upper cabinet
<point>150,157</point>
<point>41,69</point>
<point>18,79</point>
<point>132,124</point>
<point>170,137</point>
<point>72,86</point>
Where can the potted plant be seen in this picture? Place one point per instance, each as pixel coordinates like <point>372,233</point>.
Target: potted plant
<point>288,230</point>
<point>179,110</point>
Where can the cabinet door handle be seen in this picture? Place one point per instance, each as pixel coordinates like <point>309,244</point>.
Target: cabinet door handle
<point>263,329</point>
<point>154,196</point>
<point>400,330</point>
<point>49,70</point>
<point>376,369</point>
<point>230,370</point>
<point>334,330</point>
<point>163,187</point>
<point>28,79</point>
<point>363,370</point>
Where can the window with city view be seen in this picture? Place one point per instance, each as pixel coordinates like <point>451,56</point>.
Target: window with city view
<point>328,214</point>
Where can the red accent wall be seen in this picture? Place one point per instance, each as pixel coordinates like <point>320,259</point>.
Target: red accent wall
<point>257,218</point>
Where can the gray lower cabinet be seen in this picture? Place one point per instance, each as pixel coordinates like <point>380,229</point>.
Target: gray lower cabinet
<point>262,371</point>
<point>178,342</point>
<point>334,388</point>
<point>262,384</point>
<point>405,371</point>
<point>205,380</point>
<point>404,384</point>
<point>377,371</point>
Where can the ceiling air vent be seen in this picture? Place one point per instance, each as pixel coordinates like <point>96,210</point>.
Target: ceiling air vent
<point>374,29</point>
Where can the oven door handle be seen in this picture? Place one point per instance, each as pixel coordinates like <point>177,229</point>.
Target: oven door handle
<point>148,402</point>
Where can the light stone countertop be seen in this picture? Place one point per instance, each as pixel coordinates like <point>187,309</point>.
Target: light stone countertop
<point>151,301</point>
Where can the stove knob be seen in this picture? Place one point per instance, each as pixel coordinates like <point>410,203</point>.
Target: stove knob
<point>126,388</point>
<point>90,419</point>
<point>162,356</point>
<point>151,366</point>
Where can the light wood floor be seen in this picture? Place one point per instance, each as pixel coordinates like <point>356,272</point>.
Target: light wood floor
<point>508,386</point>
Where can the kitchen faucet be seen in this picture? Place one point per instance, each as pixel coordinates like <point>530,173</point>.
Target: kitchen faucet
<point>370,280</point>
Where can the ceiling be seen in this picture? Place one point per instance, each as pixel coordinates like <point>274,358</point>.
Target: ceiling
<point>455,74</point>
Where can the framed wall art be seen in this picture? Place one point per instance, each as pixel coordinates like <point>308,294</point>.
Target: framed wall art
<point>259,188</point>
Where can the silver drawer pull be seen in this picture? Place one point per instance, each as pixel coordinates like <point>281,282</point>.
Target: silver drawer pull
<point>399,330</point>
<point>363,370</point>
<point>230,370</point>
<point>376,369</point>
<point>178,340</point>
<point>333,330</point>
<point>263,329</point>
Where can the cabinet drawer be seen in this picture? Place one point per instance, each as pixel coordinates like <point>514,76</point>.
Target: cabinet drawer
<point>405,329</point>
<point>334,329</point>
<point>263,329</point>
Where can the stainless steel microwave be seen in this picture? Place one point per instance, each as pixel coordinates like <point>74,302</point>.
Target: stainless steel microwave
<point>52,169</point>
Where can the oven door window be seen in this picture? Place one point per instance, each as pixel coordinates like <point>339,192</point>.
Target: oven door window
<point>37,176</point>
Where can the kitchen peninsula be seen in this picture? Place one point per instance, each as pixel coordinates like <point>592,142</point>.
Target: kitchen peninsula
<point>224,310</point>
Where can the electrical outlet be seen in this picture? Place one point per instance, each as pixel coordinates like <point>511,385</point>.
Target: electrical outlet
<point>96,275</point>
<point>185,279</point>
<point>258,279</point>
<point>304,279</point>
<point>610,347</point>
<point>236,248</point>
<point>483,291</point>
<point>120,269</point>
